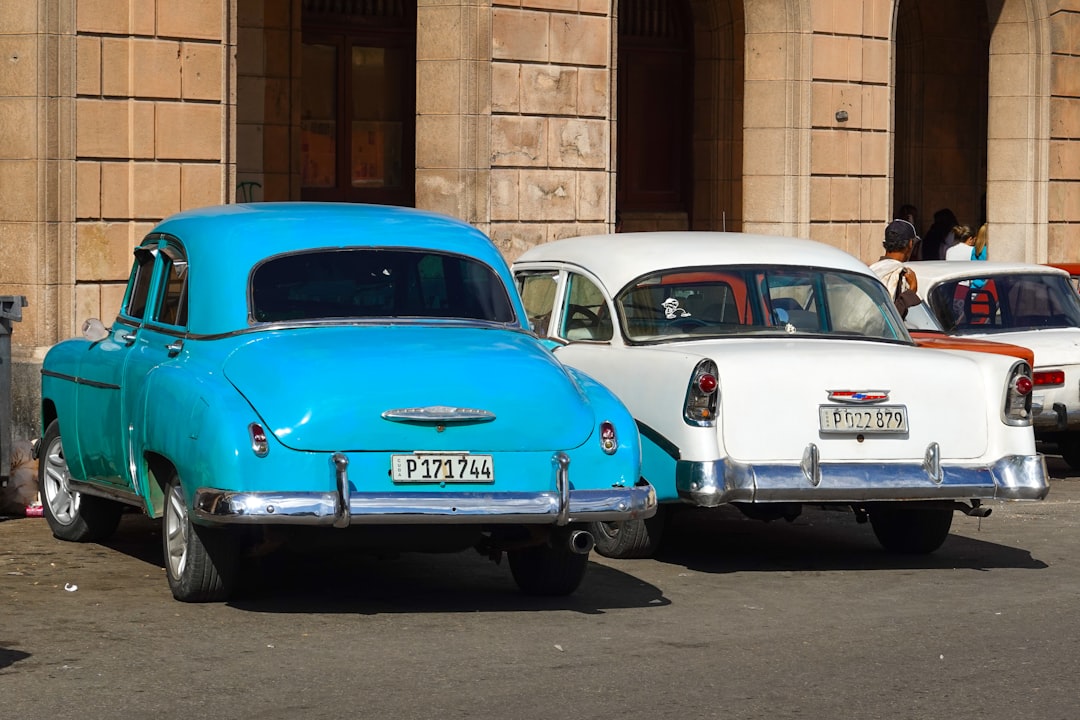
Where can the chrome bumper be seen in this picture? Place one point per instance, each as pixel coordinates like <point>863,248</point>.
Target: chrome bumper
<point>1055,418</point>
<point>708,484</point>
<point>345,506</point>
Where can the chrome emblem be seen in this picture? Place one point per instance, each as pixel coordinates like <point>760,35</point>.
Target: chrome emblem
<point>438,414</point>
<point>859,396</point>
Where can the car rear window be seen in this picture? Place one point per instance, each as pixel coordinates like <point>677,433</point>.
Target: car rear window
<point>727,301</point>
<point>1005,302</point>
<point>376,283</point>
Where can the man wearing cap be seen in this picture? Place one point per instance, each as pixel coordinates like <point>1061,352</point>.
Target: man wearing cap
<point>900,239</point>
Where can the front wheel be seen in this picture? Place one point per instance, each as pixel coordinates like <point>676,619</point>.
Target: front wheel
<point>71,515</point>
<point>630,538</point>
<point>201,562</point>
<point>547,570</point>
<point>910,528</point>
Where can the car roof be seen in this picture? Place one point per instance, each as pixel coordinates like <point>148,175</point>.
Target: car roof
<point>223,243</point>
<point>247,233</point>
<point>929,272</point>
<point>618,259</point>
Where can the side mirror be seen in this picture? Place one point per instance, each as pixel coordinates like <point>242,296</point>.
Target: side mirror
<point>94,330</point>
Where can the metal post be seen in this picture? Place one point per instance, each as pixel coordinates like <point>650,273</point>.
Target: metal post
<point>10,311</point>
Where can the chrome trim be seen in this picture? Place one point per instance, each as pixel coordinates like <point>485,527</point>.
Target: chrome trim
<point>438,413</point>
<point>562,483</point>
<point>1055,419</point>
<point>932,463</point>
<point>124,495</point>
<point>342,510</point>
<point>215,506</point>
<point>708,484</point>
<point>811,464</point>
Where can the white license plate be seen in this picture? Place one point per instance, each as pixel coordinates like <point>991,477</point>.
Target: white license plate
<point>866,420</point>
<point>442,467</point>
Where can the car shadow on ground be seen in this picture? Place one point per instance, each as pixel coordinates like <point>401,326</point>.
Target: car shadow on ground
<point>338,580</point>
<point>722,540</point>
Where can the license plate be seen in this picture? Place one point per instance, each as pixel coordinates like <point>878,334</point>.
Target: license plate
<point>442,467</point>
<point>867,420</point>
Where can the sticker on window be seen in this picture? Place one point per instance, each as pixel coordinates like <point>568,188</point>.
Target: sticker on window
<point>672,309</point>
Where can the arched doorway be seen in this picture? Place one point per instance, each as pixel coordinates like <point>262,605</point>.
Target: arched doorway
<point>941,109</point>
<point>655,102</point>
<point>358,108</point>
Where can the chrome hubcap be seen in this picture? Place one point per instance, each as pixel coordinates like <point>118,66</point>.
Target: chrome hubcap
<point>176,532</point>
<point>63,503</point>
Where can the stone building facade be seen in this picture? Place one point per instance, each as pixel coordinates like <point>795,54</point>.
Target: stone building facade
<point>530,119</point>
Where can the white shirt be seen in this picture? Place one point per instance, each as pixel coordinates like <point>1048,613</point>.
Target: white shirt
<point>959,251</point>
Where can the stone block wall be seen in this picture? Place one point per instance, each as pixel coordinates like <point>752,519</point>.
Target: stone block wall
<point>850,115</point>
<point>151,132</point>
<point>267,117</point>
<point>1063,194</point>
<point>551,121</point>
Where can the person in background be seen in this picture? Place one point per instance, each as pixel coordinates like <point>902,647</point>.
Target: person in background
<point>979,250</point>
<point>965,242</point>
<point>938,237</point>
<point>910,213</point>
<point>900,238</point>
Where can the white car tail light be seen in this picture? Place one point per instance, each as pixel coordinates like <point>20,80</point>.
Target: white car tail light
<point>1018,395</point>
<point>702,396</point>
<point>1048,378</point>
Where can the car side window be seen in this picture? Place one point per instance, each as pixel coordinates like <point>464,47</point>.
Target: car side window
<point>172,303</point>
<point>138,290</point>
<point>538,291</point>
<point>585,314</point>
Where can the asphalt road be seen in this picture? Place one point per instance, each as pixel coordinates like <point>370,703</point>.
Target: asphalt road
<point>736,619</point>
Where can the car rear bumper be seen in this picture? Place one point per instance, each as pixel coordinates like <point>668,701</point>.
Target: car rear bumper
<point>345,507</point>
<point>708,484</point>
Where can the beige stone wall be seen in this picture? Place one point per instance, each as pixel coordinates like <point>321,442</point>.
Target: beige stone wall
<point>152,131</point>
<point>267,112</point>
<point>551,121</point>
<point>850,73</point>
<point>1063,193</point>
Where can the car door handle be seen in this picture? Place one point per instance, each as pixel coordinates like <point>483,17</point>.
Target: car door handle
<point>128,338</point>
<point>174,348</point>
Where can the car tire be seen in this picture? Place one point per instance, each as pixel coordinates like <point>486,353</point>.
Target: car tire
<point>909,528</point>
<point>201,562</point>
<point>549,571</point>
<point>630,538</point>
<point>71,515</point>
<point>1069,447</point>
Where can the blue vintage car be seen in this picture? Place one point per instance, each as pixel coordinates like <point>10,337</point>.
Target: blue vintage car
<point>367,370</point>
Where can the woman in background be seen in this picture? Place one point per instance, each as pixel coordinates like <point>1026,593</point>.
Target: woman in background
<point>979,249</point>
<point>963,248</point>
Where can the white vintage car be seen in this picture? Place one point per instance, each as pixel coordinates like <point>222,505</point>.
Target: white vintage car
<point>1024,304</point>
<point>774,372</point>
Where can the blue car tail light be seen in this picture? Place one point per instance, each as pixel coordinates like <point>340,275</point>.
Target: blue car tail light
<point>609,441</point>
<point>259,445</point>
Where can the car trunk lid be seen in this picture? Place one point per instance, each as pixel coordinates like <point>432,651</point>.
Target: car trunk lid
<point>771,392</point>
<point>406,387</point>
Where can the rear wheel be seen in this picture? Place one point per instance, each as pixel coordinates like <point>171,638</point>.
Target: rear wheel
<point>71,515</point>
<point>200,562</point>
<point>545,570</point>
<point>630,538</point>
<point>910,528</point>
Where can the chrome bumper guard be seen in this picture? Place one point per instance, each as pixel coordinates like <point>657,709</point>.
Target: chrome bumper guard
<point>348,506</point>
<point>708,484</point>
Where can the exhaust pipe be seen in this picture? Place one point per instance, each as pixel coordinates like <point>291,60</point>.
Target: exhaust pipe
<point>581,542</point>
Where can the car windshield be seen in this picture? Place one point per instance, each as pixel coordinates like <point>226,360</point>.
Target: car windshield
<point>1005,302</point>
<point>737,301</point>
<point>369,283</point>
